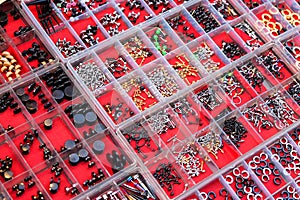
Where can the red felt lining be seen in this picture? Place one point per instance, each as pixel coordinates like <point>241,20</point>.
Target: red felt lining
<point>167,40</point>
<point>44,177</point>
<point>189,79</point>
<point>110,10</point>
<point>81,25</point>
<point>269,184</point>
<point>224,36</point>
<point>112,52</point>
<point>141,61</point>
<point>182,34</point>
<point>40,109</point>
<point>148,100</point>
<point>259,16</point>
<point>160,7</point>
<point>110,145</point>
<point>17,164</point>
<point>18,119</point>
<point>59,129</point>
<point>127,10</point>
<point>214,186</point>
<point>24,68</point>
<point>177,188</point>
<point>27,45</point>
<point>114,98</point>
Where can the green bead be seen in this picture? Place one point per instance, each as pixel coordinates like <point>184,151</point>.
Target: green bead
<point>158,47</point>
<point>156,43</point>
<point>155,37</point>
<point>165,47</point>
<point>163,52</point>
<point>158,31</point>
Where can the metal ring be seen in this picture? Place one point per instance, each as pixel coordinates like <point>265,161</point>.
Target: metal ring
<point>221,192</point>
<point>275,157</point>
<point>263,156</point>
<point>236,171</point>
<point>286,12</point>
<point>290,189</point>
<point>296,195</point>
<point>256,189</point>
<point>246,190</point>
<point>267,171</point>
<point>230,181</point>
<point>277,181</point>
<point>258,197</point>
<point>252,164</point>
<point>296,23</point>
<point>211,193</point>
<point>264,165</point>
<point>245,174</point>
<point>276,172</point>
<point>266,17</point>
<point>271,25</point>
<point>258,171</point>
<point>205,197</point>
<point>283,140</point>
<point>256,159</point>
<point>265,178</point>
<point>285,194</point>
<point>250,196</point>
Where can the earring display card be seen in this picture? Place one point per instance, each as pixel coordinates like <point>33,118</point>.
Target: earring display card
<point>144,99</point>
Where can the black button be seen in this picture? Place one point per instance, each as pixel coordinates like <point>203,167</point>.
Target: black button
<point>53,187</point>
<point>25,148</point>
<point>83,153</point>
<point>31,106</point>
<point>91,118</point>
<point>48,124</point>
<point>20,92</point>
<point>8,175</point>
<point>79,120</point>
<point>73,159</point>
<point>70,144</point>
<point>3,19</point>
<point>58,95</point>
<point>25,98</point>
<point>98,146</point>
<point>70,92</point>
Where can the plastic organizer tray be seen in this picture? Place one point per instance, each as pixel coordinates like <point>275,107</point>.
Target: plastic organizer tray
<point>207,110</point>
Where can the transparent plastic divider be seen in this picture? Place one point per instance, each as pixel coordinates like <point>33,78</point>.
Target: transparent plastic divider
<point>256,179</point>
<point>9,185</point>
<point>163,64</point>
<point>66,171</point>
<point>275,15</point>
<point>48,40</point>
<point>250,19</point>
<point>114,86</point>
<point>4,192</point>
<point>179,10</point>
<point>89,58</point>
<point>192,60</point>
<point>209,163</point>
<point>193,4</point>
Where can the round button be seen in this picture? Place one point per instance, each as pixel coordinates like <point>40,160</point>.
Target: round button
<point>25,148</point>
<point>79,120</point>
<point>20,92</point>
<point>8,175</point>
<point>83,153</point>
<point>90,118</point>
<point>48,124</point>
<point>70,92</point>
<point>73,159</point>
<point>70,144</point>
<point>31,106</point>
<point>98,146</point>
<point>58,95</point>
<point>25,98</point>
<point>53,187</point>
